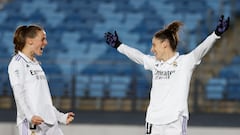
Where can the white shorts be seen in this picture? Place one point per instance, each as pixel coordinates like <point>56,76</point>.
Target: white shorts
<point>42,129</point>
<point>178,127</point>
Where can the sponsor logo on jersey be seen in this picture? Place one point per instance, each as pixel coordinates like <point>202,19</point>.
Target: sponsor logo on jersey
<point>39,74</point>
<point>163,74</point>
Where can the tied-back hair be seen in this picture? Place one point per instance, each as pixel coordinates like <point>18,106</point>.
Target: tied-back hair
<point>170,33</point>
<point>23,32</point>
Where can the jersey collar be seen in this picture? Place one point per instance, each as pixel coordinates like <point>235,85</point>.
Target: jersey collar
<point>173,59</point>
<point>27,59</point>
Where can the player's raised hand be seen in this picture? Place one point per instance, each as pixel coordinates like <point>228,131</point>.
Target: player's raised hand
<point>112,39</point>
<point>222,25</point>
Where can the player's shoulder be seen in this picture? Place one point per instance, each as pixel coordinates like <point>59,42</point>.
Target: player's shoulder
<point>17,60</point>
<point>150,57</point>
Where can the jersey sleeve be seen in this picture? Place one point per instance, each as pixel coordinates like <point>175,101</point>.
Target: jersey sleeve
<point>16,77</point>
<point>61,117</point>
<point>137,56</point>
<point>200,51</point>
<point>132,53</point>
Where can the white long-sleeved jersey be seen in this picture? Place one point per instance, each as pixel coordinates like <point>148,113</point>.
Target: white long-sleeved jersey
<point>170,80</point>
<point>31,91</point>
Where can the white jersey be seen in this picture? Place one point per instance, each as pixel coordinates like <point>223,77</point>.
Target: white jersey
<point>31,91</point>
<point>170,80</point>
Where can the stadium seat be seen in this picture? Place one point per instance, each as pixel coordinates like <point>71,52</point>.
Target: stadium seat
<point>236,60</point>
<point>82,85</point>
<point>76,28</point>
<point>118,90</point>
<point>3,16</point>
<point>104,79</point>
<point>96,90</point>
<point>51,69</point>
<point>230,72</point>
<point>81,89</point>
<point>215,88</point>
<point>7,38</point>
<point>58,87</point>
<point>233,89</point>
<point>142,88</point>
<point>119,86</point>
<point>27,9</point>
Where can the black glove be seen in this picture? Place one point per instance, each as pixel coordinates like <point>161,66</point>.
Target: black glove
<point>112,40</point>
<point>222,25</point>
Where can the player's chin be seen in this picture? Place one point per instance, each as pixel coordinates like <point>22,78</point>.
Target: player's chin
<point>39,53</point>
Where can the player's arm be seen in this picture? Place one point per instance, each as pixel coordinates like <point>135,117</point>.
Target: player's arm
<point>66,118</point>
<point>207,44</point>
<point>16,77</point>
<point>132,53</point>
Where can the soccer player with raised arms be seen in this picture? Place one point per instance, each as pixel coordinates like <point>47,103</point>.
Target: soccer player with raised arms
<point>167,113</point>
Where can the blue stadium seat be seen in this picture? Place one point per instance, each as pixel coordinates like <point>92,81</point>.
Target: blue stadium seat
<point>131,20</point>
<point>105,79</point>
<point>118,90</point>
<point>51,69</point>
<point>58,87</point>
<point>3,16</point>
<point>5,87</point>
<point>7,38</point>
<point>80,25</point>
<point>37,17</point>
<point>81,89</point>
<point>13,6</point>
<point>137,5</point>
<point>215,88</point>
<point>237,8</point>
<point>1,88</point>
<point>106,8</point>
<point>142,88</point>
<point>233,89</point>
<point>53,18</point>
<point>119,86</point>
<point>125,80</point>
<point>213,5</point>
<point>96,90</point>
<point>27,9</point>
<point>82,85</point>
<point>196,6</point>
<point>236,60</point>
<point>231,71</point>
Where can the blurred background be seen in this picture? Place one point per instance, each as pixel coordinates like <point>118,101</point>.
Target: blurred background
<point>104,87</point>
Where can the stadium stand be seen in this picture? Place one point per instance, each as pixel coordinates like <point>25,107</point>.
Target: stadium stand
<point>215,88</point>
<point>77,52</point>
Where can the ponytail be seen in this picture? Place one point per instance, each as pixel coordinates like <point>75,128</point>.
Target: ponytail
<point>170,33</point>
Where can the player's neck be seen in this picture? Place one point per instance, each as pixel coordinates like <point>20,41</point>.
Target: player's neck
<point>169,55</point>
<point>29,54</point>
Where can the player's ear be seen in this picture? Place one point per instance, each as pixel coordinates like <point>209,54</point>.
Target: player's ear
<point>29,41</point>
<point>165,43</point>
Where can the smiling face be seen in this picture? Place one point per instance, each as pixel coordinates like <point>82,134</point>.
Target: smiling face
<point>158,48</point>
<point>37,43</point>
<point>161,49</point>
